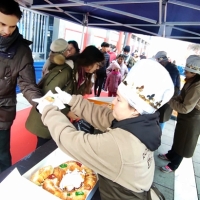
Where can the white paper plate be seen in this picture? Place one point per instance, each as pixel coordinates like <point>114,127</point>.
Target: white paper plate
<point>57,101</point>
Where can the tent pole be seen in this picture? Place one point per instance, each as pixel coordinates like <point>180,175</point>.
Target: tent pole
<point>85,24</point>
<point>82,37</point>
<point>164,20</point>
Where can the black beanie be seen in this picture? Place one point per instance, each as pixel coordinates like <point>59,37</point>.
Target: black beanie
<point>127,49</point>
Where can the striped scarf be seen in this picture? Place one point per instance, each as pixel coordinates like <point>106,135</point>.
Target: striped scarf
<point>81,77</point>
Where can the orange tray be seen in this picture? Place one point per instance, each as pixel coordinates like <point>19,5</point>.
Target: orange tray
<point>102,103</point>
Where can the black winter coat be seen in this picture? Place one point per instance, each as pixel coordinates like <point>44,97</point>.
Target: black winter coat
<point>16,66</point>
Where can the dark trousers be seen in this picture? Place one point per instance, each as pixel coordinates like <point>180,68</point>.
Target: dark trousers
<point>104,82</point>
<point>98,84</point>
<point>175,159</point>
<point>5,155</point>
<point>41,141</point>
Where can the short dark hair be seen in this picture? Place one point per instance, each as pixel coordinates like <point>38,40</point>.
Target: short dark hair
<point>10,7</point>
<point>105,44</point>
<point>120,56</point>
<point>75,45</point>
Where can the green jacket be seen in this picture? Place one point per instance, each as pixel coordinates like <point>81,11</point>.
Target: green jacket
<point>63,76</point>
<point>129,61</point>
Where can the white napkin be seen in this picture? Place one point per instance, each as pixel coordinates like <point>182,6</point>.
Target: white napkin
<point>14,186</point>
<point>57,102</point>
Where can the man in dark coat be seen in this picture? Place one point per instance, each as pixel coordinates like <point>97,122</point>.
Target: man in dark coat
<point>166,111</point>
<point>128,59</point>
<point>16,66</point>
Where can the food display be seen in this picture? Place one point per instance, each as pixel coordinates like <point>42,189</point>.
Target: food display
<point>68,181</point>
<point>50,99</point>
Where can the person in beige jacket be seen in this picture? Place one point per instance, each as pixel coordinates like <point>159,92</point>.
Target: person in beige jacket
<point>123,155</point>
<point>187,130</point>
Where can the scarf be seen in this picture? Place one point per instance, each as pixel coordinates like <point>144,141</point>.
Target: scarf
<point>126,57</point>
<point>145,127</point>
<point>115,72</point>
<point>81,77</point>
<point>6,42</point>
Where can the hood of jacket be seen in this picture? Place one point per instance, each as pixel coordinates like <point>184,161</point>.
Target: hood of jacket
<point>57,58</point>
<point>145,127</point>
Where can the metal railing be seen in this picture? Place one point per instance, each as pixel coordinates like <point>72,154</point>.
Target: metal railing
<point>34,27</point>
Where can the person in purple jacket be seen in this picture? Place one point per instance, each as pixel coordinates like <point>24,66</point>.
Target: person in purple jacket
<point>113,80</point>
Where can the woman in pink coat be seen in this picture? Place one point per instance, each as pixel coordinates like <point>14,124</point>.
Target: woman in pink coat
<point>114,78</point>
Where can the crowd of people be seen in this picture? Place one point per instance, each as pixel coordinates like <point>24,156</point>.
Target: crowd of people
<point>145,90</point>
<point>114,68</point>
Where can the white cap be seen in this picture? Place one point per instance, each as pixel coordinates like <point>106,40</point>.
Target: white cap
<point>147,86</point>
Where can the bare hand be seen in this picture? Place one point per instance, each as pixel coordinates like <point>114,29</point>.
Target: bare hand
<point>72,116</point>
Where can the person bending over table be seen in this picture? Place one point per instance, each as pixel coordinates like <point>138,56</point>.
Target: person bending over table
<point>123,155</point>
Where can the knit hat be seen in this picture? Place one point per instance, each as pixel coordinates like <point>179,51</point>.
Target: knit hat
<point>127,48</point>
<point>115,65</point>
<point>161,56</point>
<point>193,64</point>
<point>59,45</point>
<point>147,87</point>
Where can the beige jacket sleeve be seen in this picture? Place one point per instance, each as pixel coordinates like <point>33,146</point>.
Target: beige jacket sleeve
<point>100,117</point>
<point>191,100</point>
<point>92,150</point>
